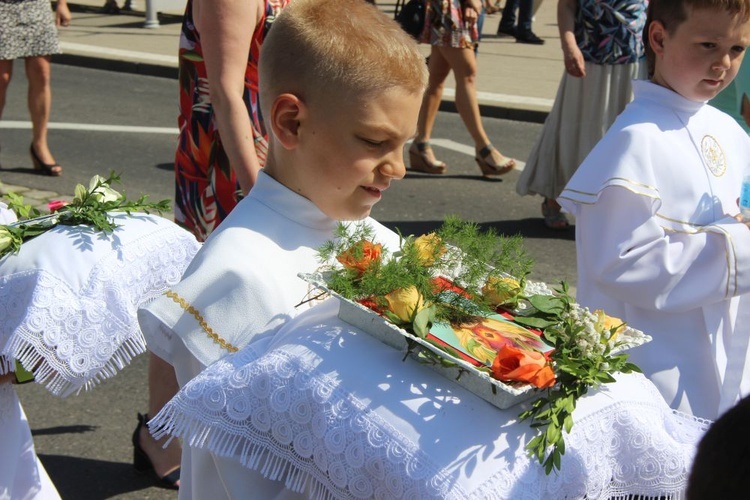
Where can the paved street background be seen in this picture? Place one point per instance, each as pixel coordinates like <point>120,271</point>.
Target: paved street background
<point>124,119</point>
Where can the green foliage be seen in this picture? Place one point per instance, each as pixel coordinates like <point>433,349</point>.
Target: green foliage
<point>89,207</point>
<point>470,256</point>
<point>577,369</point>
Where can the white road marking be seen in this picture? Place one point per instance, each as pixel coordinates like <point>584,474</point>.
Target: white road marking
<point>93,127</point>
<point>129,54</point>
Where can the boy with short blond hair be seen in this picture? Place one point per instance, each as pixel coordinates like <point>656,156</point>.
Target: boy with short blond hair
<point>341,86</point>
<point>659,240</point>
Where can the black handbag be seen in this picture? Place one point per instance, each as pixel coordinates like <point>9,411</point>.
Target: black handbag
<point>411,17</point>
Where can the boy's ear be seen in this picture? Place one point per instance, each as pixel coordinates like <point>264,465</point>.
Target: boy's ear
<point>286,113</point>
<point>656,35</point>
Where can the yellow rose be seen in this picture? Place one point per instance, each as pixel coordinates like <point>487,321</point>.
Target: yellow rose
<point>429,246</point>
<point>605,323</point>
<point>405,303</point>
<point>500,291</point>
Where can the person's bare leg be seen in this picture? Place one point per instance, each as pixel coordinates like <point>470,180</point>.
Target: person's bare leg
<point>162,386</point>
<point>438,71</point>
<point>464,65</point>
<point>6,73</point>
<point>38,73</point>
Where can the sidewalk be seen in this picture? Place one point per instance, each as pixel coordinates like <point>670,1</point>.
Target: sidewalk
<point>515,81</point>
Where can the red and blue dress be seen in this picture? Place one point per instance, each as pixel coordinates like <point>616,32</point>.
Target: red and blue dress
<point>206,188</point>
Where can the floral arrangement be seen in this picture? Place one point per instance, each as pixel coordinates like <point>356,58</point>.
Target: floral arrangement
<point>90,206</point>
<point>458,274</point>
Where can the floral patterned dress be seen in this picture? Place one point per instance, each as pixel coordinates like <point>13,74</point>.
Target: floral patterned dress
<point>206,188</point>
<point>444,25</point>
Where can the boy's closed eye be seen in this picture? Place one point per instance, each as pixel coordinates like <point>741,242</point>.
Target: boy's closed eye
<point>372,142</point>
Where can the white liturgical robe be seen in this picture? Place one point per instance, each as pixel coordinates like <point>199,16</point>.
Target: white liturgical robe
<point>658,245</point>
<point>243,283</point>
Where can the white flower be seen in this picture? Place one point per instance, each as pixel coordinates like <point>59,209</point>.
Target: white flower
<point>101,191</point>
<point>7,216</point>
<point>5,238</point>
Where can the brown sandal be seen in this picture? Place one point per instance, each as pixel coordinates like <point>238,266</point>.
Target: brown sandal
<point>488,166</point>
<point>419,163</point>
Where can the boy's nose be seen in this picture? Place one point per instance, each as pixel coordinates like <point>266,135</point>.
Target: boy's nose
<point>724,63</point>
<point>394,166</point>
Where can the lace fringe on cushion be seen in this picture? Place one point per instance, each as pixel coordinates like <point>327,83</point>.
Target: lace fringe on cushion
<point>314,437</point>
<point>171,422</point>
<point>65,384</point>
<point>75,338</point>
<point>624,450</point>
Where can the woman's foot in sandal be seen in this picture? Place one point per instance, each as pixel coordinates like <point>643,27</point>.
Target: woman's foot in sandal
<point>53,168</point>
<point>422,159</point>
<point>492,162</point>
<point>553,216</point>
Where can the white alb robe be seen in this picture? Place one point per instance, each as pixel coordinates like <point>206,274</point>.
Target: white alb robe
<point>242,286</point>
<point>658,245</point>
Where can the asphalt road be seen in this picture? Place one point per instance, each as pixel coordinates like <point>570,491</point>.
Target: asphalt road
<point>84,440</point>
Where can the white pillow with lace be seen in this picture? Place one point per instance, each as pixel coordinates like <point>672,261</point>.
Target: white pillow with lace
<point>68,299</point>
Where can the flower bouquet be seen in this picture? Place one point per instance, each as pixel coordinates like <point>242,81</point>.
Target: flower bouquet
<point>458,300</point>
<point>90,206</point>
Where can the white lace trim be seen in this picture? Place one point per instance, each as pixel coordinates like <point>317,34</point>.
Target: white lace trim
<point>74,340</point>
<point>324,440</point>
<point>320,438</point>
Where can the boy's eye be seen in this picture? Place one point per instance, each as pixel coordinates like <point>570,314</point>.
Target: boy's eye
<point>708,45</point>
<point>371,142</point>
<point>738,48</point>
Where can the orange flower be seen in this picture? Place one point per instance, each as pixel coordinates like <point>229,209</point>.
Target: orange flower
<point>512,363</point>
<point>360,256</point>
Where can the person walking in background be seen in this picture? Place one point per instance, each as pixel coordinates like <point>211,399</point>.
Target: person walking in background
<point>221,148</point>
<point>28,31</point>
<point>222,144</point>
<point>603,52</point>
<point>521,30</point>
<point>451,29</point>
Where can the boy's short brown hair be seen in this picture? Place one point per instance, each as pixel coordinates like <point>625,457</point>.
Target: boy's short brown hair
<point>672,13</point>
<point>337,48</point>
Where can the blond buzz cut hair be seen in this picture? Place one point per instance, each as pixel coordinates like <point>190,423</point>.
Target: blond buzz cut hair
<point>337,48</point>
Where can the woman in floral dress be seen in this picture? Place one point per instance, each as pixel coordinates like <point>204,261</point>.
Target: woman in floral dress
<point>214,169</point>
<point>603,51</point>
<point>451,30</point>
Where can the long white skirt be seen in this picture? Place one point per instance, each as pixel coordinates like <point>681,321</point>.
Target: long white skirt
<point>584,109</point>
<point>22,475</point>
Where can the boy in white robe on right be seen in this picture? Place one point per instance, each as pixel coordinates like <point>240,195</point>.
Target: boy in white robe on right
<point>659,238</point>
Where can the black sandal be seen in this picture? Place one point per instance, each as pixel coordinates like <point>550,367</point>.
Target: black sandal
<point>142,463</point>
<point>51,169</point>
